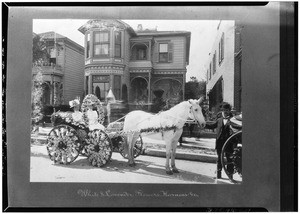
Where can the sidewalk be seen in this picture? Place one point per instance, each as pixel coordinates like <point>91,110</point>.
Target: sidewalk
<point>195,149</point>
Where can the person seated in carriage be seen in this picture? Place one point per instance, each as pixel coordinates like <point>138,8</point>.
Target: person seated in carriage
<point>93,117</point>
<point>76,115</point>
<point>222,126</point>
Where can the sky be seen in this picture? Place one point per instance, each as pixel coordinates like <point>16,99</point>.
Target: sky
<point>203,34</point>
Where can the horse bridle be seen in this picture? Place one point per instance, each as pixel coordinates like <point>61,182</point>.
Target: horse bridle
<point>194,116</point>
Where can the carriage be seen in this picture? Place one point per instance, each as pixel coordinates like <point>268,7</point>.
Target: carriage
<point>69,138</point>
<point>232,149</point>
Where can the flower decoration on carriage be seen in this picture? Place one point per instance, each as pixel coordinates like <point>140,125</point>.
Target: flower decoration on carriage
<point>66,118</point>
<point>92,100</point>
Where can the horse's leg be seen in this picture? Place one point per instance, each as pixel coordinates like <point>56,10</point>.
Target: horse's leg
<point>130,148</point>
<point>135,136</point>
<point>175,139</point>
<point>168,154</point>
<point>173,154</point>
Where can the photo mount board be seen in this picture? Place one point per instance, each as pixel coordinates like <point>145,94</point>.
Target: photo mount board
<point>261,72</point>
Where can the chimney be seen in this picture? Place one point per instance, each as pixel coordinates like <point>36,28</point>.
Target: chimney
<point>140,27</point>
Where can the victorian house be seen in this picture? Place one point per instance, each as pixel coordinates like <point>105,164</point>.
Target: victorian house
<point>224,67</point>
<point>140,66</point>
<point>63,73</point>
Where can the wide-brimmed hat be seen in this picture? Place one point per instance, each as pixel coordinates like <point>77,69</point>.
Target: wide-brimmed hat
<point>74,103</point>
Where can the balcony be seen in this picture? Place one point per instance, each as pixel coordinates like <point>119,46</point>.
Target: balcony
<point>140,64</point>
<point>49,69</point>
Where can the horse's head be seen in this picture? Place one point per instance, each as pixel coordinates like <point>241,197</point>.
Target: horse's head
<point>195,112</point>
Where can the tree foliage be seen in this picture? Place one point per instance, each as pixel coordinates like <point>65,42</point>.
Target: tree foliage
<point>194,88</point>
<point>39,51</point>
<point>39,56</point>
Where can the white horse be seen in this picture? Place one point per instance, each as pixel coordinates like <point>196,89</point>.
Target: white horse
<point>169,123</point>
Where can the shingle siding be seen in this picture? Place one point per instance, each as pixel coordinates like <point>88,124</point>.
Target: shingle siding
<point>74,74</point>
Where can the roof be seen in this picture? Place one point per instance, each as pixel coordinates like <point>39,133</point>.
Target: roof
<point>161,33</point>
<point>106,23</point>
<point>51,35</point>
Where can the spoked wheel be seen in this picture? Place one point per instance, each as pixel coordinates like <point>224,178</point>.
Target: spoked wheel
<point>231,157</point>
<point>63,144</point>
<point>98,147</point>
<point>137,149</point>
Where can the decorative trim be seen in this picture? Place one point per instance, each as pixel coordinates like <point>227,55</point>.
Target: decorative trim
<point>101,60</point>
<point>140,71</point>
<point>87,73</point>
<point>104,70</point>
<point>105,67</point>
<point>169,72</point>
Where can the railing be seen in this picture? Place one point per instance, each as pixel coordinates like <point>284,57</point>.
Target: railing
<point>50,66</point>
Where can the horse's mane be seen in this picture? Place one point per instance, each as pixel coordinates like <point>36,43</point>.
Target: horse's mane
<point>171,110</point>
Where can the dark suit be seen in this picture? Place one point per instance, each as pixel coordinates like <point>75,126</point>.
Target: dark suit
<point>222,134</point>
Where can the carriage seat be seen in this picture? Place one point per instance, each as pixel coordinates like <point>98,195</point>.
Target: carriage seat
<point>238,117</point>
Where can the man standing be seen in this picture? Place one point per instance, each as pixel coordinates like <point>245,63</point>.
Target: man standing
<point>222,126</point>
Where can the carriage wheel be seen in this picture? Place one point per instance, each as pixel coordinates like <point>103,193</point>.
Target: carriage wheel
<point>137,149</point>
<point>63,144</point>
<point>231,156</point>
<point>98,147</point>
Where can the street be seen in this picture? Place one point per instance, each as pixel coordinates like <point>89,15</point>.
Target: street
<point>148,169</point>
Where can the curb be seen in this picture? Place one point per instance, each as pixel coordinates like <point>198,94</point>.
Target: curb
<point>183,156</point>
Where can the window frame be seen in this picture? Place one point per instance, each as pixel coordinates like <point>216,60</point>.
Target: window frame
<point>221,49</point>
<point>214,63</point>
<point>118,44</point>
<point>209,71</point>
<point>166,53</point>
<point>101,43</point>
<point>88,45</point>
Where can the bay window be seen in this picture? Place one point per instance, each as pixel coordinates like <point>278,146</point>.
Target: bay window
<point>118,44</point>
<point>101,44</point>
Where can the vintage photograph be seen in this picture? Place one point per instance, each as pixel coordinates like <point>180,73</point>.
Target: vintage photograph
<point>112,107</point>
<point>136,101</point>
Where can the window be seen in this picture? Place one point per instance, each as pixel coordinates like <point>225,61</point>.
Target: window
<point>88,37</point>
<point>165,52</point>
<point>221,49</point>
<point>101,44</point>
<point>86,85</point>
<point>207,75</point>
<point>117,87</point>
<point>100,86</point>
<point>139,52</point>
<point>209,70</point>
<point>214,63</point>
<point>101,90</point>
<point>118,44</point>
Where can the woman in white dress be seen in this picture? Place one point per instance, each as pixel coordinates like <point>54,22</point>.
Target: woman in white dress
<point>92,117</point>
<point>77,116</point>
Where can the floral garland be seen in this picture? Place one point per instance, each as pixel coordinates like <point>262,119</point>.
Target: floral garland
<point>91,99</point>
<point>159,129</point>
<point>66,118</point>
<point>113,134</point>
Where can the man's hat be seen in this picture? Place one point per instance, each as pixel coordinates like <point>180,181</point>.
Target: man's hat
<point>225,106</point>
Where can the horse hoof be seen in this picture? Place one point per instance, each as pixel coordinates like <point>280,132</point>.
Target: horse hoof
<point>175,170</point>
<point>132,164</point>
<point>169,172</point>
